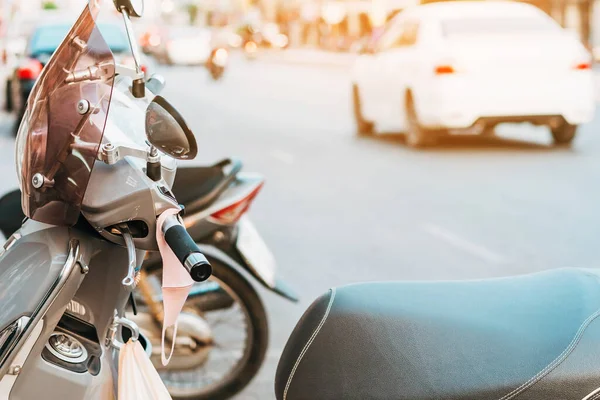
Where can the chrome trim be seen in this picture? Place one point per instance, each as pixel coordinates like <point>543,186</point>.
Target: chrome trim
<point>12,347</point>
<point>14,370</point>
<point>10,333</point>
<point>73,360</point>
<point>193,259</point>
<point>10,242</point>
<point>112,337</point>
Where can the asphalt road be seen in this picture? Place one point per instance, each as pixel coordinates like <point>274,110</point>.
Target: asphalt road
<point>338,209</point>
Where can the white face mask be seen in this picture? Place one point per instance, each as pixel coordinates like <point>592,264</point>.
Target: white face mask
<point>176,285</point>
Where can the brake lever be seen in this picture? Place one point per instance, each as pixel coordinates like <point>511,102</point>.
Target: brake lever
<point>129,280</point>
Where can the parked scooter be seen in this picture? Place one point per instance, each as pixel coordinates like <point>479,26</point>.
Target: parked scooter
<point>215,200</point>
<point>93,183</point>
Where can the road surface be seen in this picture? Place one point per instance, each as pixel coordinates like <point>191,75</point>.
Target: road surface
<point>338,209</point>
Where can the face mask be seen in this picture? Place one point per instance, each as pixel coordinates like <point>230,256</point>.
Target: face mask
<point>176,285</point>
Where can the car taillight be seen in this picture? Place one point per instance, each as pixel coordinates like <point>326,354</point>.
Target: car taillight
<point>31,70</point>
<point>444,69</point>
<point>233,212</point>
<point>583,66</point>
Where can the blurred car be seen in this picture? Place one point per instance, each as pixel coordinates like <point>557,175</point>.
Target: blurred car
<point>464,67</point>
<point>150,40</point>
<point>187,45</point>
<point>41,45</point>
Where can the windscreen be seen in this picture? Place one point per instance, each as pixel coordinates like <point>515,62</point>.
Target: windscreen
<point>62,129</point>
<point>498,25</point>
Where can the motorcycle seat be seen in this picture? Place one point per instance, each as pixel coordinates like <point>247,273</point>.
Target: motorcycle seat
<point>199,187</point>
<point>193,183</point>
<point>531,337</point>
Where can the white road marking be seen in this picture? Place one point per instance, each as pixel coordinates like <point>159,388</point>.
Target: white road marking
<point>282,156</point>
<point>463,244</point>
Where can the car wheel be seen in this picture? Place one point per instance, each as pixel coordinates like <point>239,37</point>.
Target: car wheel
<point>18,119</point>
<point>416,135</point>
<point>564,134</point>
<point>363,127</point>
<point>8,106</point>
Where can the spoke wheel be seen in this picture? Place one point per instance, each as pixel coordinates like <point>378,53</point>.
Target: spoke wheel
<point>225,348</point>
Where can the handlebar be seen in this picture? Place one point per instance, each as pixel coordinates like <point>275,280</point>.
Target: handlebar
<point>186,250</point>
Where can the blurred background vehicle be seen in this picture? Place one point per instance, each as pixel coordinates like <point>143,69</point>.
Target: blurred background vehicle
<point>41,44</point>
<point>183,45</point>
<point>187,45</point>
<point>465,67</point>
<point>150,39</point>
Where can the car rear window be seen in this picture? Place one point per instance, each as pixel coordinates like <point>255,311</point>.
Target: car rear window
<point>46,39</point>
<point>493,26</point>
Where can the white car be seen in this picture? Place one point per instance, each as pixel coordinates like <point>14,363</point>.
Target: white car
<point>463,67</point>
<point>185,45</point>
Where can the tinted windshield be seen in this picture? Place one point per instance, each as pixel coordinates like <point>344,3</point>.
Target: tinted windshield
<point>493,26</point>
<point>62,129</point>
<point>46,39</point>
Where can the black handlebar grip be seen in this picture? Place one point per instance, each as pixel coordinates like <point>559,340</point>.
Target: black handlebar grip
<point>188,253</point>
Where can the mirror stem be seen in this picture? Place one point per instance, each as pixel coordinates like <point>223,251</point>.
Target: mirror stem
<point>138,89</point>
<point>131,39</point>
<point>153,166</point>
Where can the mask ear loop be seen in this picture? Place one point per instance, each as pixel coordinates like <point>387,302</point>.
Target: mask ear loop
<point>165,360</point>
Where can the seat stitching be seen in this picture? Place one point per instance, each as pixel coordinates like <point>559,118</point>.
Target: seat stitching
<point>596,397</point>
<point>557,361</point>
<point>307,345</point>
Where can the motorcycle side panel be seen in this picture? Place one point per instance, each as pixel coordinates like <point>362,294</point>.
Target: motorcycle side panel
<point>93,298</point>
<point>28,269</point>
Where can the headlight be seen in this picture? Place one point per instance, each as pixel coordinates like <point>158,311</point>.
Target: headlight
<point>220,57</point>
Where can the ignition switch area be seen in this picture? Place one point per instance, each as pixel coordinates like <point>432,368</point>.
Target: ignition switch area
<point>74,346</point>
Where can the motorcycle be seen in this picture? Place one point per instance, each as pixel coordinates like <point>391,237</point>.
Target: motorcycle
<point>93,183</point>
<point>217,62</point>
<point>215,202</point>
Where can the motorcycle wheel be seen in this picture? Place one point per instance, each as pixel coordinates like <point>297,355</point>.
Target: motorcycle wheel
<point>202,381</point>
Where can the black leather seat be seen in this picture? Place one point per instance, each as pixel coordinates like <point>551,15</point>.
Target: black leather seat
<point>529,337</point>
<point>193,183</point>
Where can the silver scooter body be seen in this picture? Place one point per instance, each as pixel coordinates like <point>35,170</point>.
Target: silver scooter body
<point>43,277</point>
<point>62,289</point>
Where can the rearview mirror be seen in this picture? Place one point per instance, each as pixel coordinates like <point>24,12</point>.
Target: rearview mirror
<point>167,130</point>
<point>135,8</point>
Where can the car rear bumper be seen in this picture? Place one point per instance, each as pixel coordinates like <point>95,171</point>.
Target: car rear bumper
<point>187,56</point>
<point>458,103</point>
